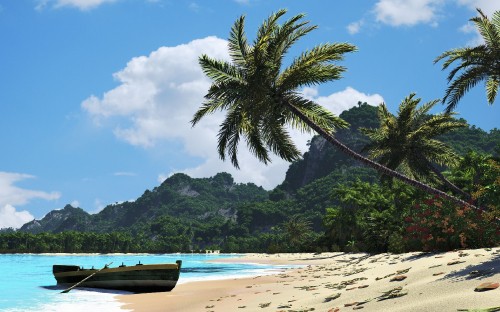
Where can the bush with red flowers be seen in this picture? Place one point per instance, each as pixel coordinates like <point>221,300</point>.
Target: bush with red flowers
<point>436,224</point>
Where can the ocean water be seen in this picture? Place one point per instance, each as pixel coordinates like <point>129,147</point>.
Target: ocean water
<point>26,280</point>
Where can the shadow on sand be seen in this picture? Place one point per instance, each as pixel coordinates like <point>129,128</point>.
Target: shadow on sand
<point>479,271</point>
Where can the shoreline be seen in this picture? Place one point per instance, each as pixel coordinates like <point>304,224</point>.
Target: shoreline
<point>330,281</point>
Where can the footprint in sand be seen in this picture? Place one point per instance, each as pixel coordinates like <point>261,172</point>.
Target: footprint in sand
<point>398,278</point>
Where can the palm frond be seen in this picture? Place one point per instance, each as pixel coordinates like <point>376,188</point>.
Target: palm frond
<point>256,144</point>
<point>312,67</point>
<point>457,89</point>
<point>423,110</point>
<point>474,63</point>
<point>209,107</point>
<point>279,142</point>
<point>286,35</point>
<point>407,111</point>
<point>495,20</point>
<point>229,136</point>
<point>487,30</point>
<point>468,57</point>
<point>440,153</point>
<point>220,71</point>
<point>492,85</point>
<point>316,113</point>
<point>237,42</point>
<point>264,35</point>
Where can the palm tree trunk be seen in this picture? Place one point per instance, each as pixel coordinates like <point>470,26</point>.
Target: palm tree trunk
<point>370,163</point>
<point>447,182</point>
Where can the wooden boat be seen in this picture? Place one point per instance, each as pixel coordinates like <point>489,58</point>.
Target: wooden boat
<point>140,278</point>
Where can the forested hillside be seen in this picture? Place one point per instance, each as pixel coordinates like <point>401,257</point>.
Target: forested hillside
<point>326,202</point>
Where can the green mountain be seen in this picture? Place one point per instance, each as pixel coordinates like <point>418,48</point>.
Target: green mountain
<point>67,219</point>
<point>179,196</point>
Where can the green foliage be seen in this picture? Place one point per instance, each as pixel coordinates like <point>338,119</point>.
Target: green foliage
<point>407,142</point>
<point>67,242</point>
<point>396,243</point>
<point>366,215</point>
<point>184,214</point>
<point>479,174</point>
<point>297,233</point>
<point>475,64</point>
<point>435,224</point>
<point>471,138</point>
<point>258,94</point>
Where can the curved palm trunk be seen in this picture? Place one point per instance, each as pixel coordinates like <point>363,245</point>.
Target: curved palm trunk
<point>447,182</point>
<point>370,163</point>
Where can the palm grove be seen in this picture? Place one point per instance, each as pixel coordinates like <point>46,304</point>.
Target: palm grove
<point>383,182</point>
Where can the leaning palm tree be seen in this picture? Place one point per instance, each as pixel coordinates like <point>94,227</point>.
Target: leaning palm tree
<point>262,100</point>
<point>475,64</point>
<point>407,142</point>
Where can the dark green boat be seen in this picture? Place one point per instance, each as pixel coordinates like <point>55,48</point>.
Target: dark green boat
<point>140,278</point>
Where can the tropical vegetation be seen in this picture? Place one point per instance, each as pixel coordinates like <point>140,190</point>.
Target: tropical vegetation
<point>475,64</point>
<point>262,99</point>
<point>327,202</point>
<point>409,141</point>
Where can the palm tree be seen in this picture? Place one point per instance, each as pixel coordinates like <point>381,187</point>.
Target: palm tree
<point>408,143</point>
<point>297,230</point>
<point>480,63</point>
<point>262,99</point>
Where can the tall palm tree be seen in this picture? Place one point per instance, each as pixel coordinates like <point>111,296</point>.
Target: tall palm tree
<point>407,142</point>
<point>475,64</point>
<point>262,99</point>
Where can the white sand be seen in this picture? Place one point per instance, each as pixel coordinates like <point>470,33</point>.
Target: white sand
<point>309,288</point>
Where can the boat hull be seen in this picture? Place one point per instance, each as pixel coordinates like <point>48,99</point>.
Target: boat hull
<point>138,279</point>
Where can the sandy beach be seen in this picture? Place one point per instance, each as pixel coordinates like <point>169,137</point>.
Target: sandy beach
<point>332,282</point>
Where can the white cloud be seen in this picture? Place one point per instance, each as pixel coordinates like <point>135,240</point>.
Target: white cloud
<point>340,101</point>
<point>11,196</point>
<point>354,27</point>
<point>487,6</point>
<point>158,95</point>
<point>407,12</point>
<point>470,28</point>
<point>413,12</point>
<point>75,204</point>
<point>10,217</point>
<point>162,177</point>
<point>98,206</point>
<point>83,5</point>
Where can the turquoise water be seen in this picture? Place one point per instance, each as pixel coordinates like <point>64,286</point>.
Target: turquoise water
<point>25,279</point>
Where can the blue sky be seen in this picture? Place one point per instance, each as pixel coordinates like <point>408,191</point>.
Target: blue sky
<point>97,95</point>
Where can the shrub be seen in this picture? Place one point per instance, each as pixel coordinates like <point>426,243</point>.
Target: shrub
<point>436,224</point>
<point>396,243</point>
